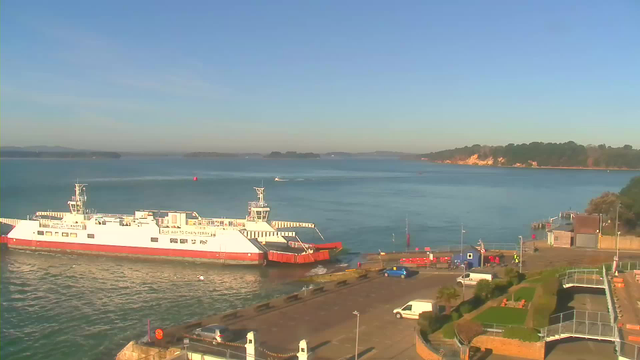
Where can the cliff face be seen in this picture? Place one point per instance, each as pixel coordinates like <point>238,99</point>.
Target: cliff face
<point>475,160</point>
<point>537,154</point>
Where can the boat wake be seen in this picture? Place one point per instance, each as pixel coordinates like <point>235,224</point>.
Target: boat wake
<point>318,270</point>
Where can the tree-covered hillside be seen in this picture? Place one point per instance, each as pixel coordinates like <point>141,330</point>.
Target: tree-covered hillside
<point>567,154</point>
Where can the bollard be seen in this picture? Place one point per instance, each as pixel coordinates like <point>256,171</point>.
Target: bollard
<point>303,350</point>
<point>251,346</point>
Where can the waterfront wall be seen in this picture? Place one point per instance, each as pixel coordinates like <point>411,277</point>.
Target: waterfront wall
<point>134,351</point>
<point>624,243</point>
<point>511,347</point>
<point>424,350</point>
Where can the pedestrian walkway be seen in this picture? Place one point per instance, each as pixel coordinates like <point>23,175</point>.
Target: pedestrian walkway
<point>583,324</point>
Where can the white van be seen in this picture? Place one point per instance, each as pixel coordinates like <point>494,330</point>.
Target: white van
<point>472,278</point>
<point>414,308</point>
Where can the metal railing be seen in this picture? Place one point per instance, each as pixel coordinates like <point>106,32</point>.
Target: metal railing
<point>579,323</point>
<point>629,351</point>
<point>582,277</point>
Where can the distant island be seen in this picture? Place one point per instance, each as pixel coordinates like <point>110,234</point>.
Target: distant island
<point>21,154</point>
<point>541,155</point>
<point>292,155</point>
<point>210,155</point>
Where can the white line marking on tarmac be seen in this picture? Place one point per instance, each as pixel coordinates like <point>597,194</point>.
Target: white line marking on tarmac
<point>335,341</point>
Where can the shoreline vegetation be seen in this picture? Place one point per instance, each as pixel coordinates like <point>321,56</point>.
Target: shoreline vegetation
<point>567,155</point>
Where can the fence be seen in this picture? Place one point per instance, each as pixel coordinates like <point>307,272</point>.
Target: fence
<point>629,351</point>
<point>587,324</point>
<point>583,277</point>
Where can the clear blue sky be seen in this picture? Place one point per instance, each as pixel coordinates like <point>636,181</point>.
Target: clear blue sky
<point>318,75</point>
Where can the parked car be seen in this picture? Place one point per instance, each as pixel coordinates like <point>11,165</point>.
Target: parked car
<point>414,308</point>
<point>398,271</point>
<point>215,333</point>
<point>472,278</point>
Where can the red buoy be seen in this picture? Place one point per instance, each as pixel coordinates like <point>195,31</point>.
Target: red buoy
<point>195,178</point>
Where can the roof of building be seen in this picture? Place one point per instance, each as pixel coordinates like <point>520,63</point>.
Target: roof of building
<point>586,224</point>
<point>564,227</point>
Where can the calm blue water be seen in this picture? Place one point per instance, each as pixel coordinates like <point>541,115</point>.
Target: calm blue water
<point>88,307</point>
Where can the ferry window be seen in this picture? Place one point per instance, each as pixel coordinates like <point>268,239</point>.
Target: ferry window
<point>57,233</point>
<point>183,241</point>
<point>91,236</point>
<point>65,234</point>
<point>48,233</point>
<point>173,240</point>
<point>193,241</point>
<point>73,235</point>
<point>40,232</point>
<point>203,242</point>
<point>154,239</point>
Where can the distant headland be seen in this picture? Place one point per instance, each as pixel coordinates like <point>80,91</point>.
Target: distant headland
<point>541,155</point>
<point>292,155</point>
<point>55,152</point>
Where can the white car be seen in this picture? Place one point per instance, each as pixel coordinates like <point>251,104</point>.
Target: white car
<point>413,309</point>
<point>214,332</point>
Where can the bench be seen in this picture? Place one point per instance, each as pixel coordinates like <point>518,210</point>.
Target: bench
<point>231,315</point>
<point>292,298</point>
<point>317,290</point>
<point>262,307</point>
<point>341,283</point>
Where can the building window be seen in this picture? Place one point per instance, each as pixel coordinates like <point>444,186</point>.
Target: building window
<point>183,241</point>
<point>154,239</point>
<point>48,233</point>
<point>40,232</point>
<point>173,240</point>
<point>91,236</point>
<point>469,256</point>
<point>73,235</point>
<point>65,234</point>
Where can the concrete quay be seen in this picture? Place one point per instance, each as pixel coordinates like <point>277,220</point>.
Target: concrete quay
<point>324,317</point>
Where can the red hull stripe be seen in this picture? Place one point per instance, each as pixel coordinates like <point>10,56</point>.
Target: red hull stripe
<point>329,246</point>
<point>137,251</point>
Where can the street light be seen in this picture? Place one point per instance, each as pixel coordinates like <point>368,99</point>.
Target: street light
<point>357,314</point>
<point>520,260</point>
<point>464,268</point>
<point>617,232</point>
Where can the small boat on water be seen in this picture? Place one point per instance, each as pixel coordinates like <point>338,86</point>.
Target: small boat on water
<point>280,179</point>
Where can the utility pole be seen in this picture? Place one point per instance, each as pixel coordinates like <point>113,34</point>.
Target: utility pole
<point>357,314</point>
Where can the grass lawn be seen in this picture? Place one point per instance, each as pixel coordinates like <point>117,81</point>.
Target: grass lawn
<point>525,293</point>
<point>502,315</point>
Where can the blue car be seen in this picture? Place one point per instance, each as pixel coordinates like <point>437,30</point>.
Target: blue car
<point>398,271</point>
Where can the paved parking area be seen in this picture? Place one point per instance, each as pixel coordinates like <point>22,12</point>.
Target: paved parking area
<point>329,325</point>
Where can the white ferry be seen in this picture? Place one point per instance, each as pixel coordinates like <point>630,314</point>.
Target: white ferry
<point>169,234</point>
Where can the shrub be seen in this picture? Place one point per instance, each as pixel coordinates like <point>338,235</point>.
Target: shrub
<point>468,330</point>
<point>455,315</point>
<point>447,295</point>
<point>430,323</point>
<point>522,334</point>
<point>484,290</point>
<point>466,308</point>
<point>426,322</point>
<point>500,287</point>
<point>448,331</point>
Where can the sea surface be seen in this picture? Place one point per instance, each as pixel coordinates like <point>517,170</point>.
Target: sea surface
<point>60,306</point>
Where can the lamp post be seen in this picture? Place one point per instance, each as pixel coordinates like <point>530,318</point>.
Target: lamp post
<point>520,260</point>
<point>617,232</point>
<point>464,268</point>
<point>357,314</point>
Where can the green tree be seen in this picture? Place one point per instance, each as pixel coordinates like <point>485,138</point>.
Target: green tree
<point>484,289</point>
<point>630,200</point>
<point>447,295</point>
<point>604,204</point>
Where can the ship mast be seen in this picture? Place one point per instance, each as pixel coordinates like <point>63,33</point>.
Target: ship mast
<point>76,204</point>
